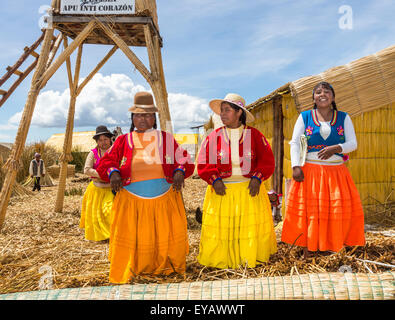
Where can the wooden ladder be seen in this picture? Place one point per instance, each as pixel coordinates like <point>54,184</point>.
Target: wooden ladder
<point>28,51</point>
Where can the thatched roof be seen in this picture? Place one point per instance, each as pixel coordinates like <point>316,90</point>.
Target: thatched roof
<point>83,141</point>
<point>362,85</point>
<point>4,152</point>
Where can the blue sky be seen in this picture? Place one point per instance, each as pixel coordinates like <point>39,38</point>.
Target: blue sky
<point>210,48</point>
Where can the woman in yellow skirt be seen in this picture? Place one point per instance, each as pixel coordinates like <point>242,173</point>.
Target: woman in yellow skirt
<point>146,168</point>
<point>237,224</point>
<point>98,197</point>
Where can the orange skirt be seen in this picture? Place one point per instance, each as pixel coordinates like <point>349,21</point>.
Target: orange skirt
<point>147,236</point>
<point>324,212</point>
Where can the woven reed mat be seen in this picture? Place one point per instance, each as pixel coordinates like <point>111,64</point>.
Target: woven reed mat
<point>319,286</point>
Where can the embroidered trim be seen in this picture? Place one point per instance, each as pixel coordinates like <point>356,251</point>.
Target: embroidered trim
<point>216,180</point>
<point>315,118</point>
<point>309,131</point>
<point>179,169</point>
<point>130,140</point>
<point>257,175</point>
<point>160,138</point>
<point>123,162</point>
<point>317,146</point>
<point>243,134</point>
<point>265,143</point>
<point>111,170</point>
<point>213,178</point>
<point>225,134</point>
<point>334,119</point>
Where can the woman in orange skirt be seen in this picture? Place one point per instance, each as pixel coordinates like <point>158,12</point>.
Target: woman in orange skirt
<point>323,208</point>
<point>146,168</point>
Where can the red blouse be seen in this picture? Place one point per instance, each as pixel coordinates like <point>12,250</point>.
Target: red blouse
<point>119,158</point>
<point>256,156</point>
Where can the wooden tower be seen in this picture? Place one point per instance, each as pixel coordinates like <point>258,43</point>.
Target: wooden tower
<point>121,31</point>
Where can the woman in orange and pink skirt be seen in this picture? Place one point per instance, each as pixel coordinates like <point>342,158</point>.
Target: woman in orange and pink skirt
<point>323,208</point>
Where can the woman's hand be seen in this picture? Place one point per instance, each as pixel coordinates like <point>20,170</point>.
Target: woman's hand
<point>254,187</point>
<point>297,174</point>
<point>116,181</point>
<point>178,180</point>
<point>328,152</point>
<point>219,187</point>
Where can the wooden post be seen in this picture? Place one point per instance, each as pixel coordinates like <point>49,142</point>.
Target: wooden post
<point>67,52</point>
<point>96,70</point>
<point>126,50</point>
<point>75,91</point>
<point>66,157</point>
<point>12,164</point>
<point>47,66</point>
<point>278,144</point>
<point>54,50</point>
<point>158,84</point>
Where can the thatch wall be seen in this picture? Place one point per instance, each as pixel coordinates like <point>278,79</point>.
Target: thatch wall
<point>372,165</point>
<point>264,123</point>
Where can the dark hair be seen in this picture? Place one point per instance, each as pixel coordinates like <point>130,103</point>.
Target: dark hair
<point>243,117</point>
<point>104,134</point>
<point>328,86</point>
<point>155,126</point>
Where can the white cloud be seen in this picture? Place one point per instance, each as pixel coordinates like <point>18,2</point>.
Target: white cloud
<point>106,100</point>
<point>187,111</point>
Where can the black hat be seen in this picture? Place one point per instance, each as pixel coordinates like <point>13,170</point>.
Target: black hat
<point>100,130</point>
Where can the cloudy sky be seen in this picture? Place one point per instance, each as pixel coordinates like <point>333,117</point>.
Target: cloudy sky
<point>210,48</point>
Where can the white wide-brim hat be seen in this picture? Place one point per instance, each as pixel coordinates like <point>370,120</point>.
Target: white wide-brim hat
<point>232,98</point>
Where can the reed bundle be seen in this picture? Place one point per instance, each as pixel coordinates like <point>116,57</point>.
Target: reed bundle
<point>44,181</point>
<point>55,171</point>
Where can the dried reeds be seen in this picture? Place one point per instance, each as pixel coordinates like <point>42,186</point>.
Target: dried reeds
<point>34,236</point>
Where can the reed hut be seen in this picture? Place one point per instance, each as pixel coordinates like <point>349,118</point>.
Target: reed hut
<point>365,89</point>
<point>82,141</point>
<point>4,152</point>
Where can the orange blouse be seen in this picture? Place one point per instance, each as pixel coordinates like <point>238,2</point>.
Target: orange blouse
<point>146,163</point>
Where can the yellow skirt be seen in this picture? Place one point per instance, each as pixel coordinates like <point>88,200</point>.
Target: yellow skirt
<point>96,212</point>
<point>237,229</point>
<point>148,236</point>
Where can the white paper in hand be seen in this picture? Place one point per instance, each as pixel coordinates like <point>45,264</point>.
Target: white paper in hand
<point>303,149</point>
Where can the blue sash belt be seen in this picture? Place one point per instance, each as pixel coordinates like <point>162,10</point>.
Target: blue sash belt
<point>149,188</point>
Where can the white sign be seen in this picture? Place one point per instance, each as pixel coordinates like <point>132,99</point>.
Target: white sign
<point>96,7</point>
